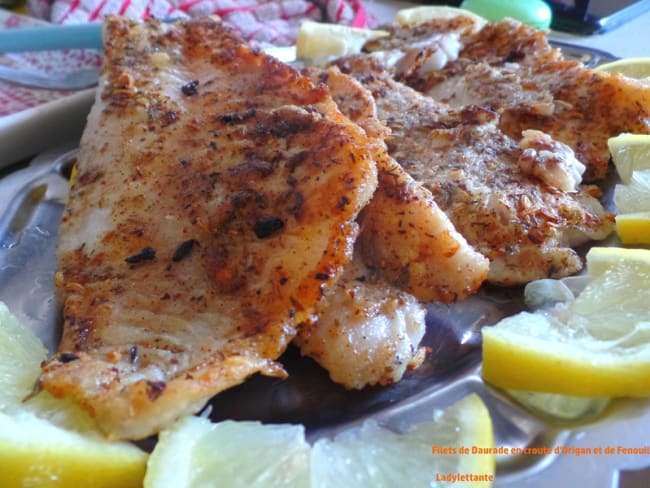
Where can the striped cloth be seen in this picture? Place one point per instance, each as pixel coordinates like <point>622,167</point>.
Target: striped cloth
<point>264,21</point>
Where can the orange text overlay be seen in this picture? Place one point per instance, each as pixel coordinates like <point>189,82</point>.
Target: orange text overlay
<point>540,451</point>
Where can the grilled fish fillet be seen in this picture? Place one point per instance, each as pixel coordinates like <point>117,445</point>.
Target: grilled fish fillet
<point>215,202</point>
<point>511,68</point>
<point>515,200</point>
<point>404,234</point>
<point>366,331</point>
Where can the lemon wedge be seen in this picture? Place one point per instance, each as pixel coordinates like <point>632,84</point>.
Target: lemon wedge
<point>637,68</point>
<point>597,346</point>
<point>425,13</point>
<point>34,447</point>
<point>196,452</point>
<point>375,456</point>
<point>630,152</point>
<point>635,196</point>
<point>318,42</point>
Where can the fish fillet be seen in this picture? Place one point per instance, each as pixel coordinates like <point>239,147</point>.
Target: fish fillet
<point>215,202</point>
<point>511,68</point>
<point>515,200</point>
<point>404,235</point>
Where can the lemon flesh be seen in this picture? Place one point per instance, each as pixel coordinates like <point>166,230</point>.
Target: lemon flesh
<point>46,441</point>
<point>425,13</point>
<point>21,353</point>
<point>597,346</point>
<point>630,152</point>
<point>377,457</point>
<point>635,196</point>
<point>198,453</point>
<point>318,42</point>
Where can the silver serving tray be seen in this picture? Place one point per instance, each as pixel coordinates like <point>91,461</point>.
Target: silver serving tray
<point>32,197</point>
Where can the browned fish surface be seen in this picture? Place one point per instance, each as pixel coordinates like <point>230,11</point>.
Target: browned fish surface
<point>405,236</point>
<point>510,67</point>
<point>215,202</point>
<point>515,201</point>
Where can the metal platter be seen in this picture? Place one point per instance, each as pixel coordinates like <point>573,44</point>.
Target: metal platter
<point>32,196</point>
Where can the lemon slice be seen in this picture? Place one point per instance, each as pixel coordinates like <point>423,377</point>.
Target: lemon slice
<point>318,42</point>
<point>633,228</point>
<point>21,353</point>
<point>375,456</point>
<point>635,196</point>
<point>425,13</point>
<point>630,152</point>
<point>196,452</point>
<point>34,449</point>
<point>637,68</point>
<point>598,345</point>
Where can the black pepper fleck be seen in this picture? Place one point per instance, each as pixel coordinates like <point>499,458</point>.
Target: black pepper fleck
<point>183,250</point>
<point>322,276</point>
<point>267,226</point>
<point>147,254</point>
<point>190,88</point>
<point>134,354</point>
<point>66,357</point>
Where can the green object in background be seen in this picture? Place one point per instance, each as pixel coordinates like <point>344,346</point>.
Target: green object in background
<point>535,13</point>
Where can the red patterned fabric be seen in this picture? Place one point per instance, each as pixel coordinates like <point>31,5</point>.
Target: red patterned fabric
<point>266,21</point>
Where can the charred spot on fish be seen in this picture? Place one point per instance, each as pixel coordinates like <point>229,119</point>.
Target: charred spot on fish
<point>284,280</point>
<point>184,163</point>
<point>190,88</point>
<point>183,250</point>
<point>514,56</point>
<point>254,166</point>
<point>296,201</point>
<point>147,254</point>
<point>343,202</point>
<point>67,357</point>
<point>213,145</point>
<point>267,226</point>
<point>237,118</point>
<point>322,276</point>
<point>168,117</point>
<point>296,160</point>
<point>155,389</point>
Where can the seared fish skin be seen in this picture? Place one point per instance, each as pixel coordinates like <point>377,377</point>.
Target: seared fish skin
<point>215,202</point>
<point>488,183</point>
